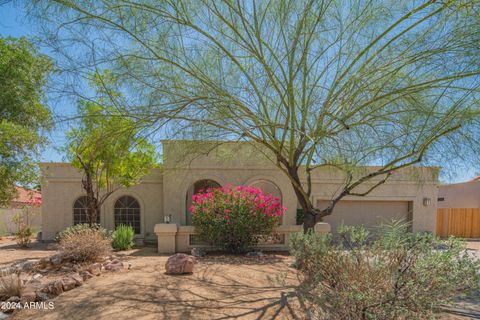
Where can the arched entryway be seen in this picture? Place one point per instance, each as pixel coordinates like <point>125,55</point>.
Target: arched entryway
<point>198,187</point>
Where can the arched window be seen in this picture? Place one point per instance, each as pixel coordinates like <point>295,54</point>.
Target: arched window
<point>268,187</point>
<point>198,187</point>
<point>81,211</point>
<point>127,211</point>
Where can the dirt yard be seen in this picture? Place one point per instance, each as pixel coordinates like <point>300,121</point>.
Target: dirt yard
<point>221,288</point>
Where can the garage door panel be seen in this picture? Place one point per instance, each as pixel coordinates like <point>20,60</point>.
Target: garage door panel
<point>368,213</point>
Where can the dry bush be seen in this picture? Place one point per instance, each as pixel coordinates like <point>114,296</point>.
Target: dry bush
<point>10,285</point>
<point>396,275</point>
<point>85,245</point>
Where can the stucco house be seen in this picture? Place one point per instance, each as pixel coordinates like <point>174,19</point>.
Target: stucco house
<point>188,166</point>
<point>460,195</point>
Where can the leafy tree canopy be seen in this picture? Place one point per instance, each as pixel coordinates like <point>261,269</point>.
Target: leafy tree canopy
<point>24,117</point>
<point>108,147</point>
<point>337,83</point>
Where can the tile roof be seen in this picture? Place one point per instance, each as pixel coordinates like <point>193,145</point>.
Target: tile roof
<point>27,197</point>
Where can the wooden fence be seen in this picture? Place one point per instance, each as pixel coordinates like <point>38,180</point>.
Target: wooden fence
<point>459,222</point>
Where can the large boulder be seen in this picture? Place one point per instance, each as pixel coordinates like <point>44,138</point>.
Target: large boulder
<point>180,263</point>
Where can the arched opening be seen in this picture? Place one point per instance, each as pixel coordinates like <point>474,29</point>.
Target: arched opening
<point>127,211</point>
<point>81,212</point>
<point>198,187</point>
<point>268,187</point>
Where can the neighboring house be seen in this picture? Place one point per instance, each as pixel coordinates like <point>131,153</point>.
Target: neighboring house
<point>460,195</point>
<point>165,194</point>
<point>459,209</point>
<point>26,204</point>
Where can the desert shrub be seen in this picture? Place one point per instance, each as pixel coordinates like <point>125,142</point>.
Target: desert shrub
<point>80,228</point>
<point>394,275</point>
<point>84,244</point>
<point>24,232</point>
<point>10,285</point>
<point>122,237</point>
<point>23,235</point>
<point>235,218</point>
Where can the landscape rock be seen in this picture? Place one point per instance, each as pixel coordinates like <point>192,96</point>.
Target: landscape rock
<point>255,254</point>
<point>66,269</point>
<point>13,299</point>
<point>180,263</point>
<point>95,269</point>
<point>114,267</point>
<point>56,260</point>
<point>55,287</point>
<point>78,279</point>
<point>68,284</point>
<point>26,266</point>
<point>43,296</point>
<point>37,276</point>
<point>3,316</point>
<point>44,262</point>
<point>28,296</point>
<point>198,252</point>
<point>86,275</point>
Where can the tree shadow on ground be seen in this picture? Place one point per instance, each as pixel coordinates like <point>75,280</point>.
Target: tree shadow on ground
<point>215,291</point>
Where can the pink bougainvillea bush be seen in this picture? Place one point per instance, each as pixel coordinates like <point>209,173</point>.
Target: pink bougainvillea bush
<point>234,218</point>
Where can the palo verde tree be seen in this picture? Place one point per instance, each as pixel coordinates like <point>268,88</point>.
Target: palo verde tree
<point>108,148</point>
<point>342,83</point>
<point>24,116</point>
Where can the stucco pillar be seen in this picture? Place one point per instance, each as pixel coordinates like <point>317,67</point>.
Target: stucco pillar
<point>166,233</point>
<point>322,227</point>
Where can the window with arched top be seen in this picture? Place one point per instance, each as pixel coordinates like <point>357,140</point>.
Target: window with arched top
<point>81,211</point>
<point>268,187</point>
<point>198,187</point>
<point>127,211</point>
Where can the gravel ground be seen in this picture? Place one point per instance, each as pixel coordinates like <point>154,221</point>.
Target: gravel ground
<point>223,287</point>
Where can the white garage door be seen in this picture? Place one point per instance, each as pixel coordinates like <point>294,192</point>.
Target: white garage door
<point>367,213</point>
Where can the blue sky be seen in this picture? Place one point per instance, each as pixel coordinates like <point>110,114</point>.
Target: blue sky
<point>14,24</point>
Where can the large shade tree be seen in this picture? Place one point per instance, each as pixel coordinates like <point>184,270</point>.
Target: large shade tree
<point>106,145</point>
<point>315,82</point>
<point>24,116</point>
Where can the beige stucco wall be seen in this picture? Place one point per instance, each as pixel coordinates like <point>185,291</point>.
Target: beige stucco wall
<point>164,192</point>
<point>62,186</point>
<point>31,215</point>
<point>460,195</point>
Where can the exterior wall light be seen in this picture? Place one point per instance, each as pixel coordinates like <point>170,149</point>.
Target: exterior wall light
<point>427,202</point>
<point>167,219</point>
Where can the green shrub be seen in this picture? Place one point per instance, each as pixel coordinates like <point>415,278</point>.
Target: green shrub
<point>235,218</point>
<point>81,243</point>
<point>395,274</point>
<point>80,228</point>
<point>122,237</point>
<point>23,235</point>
